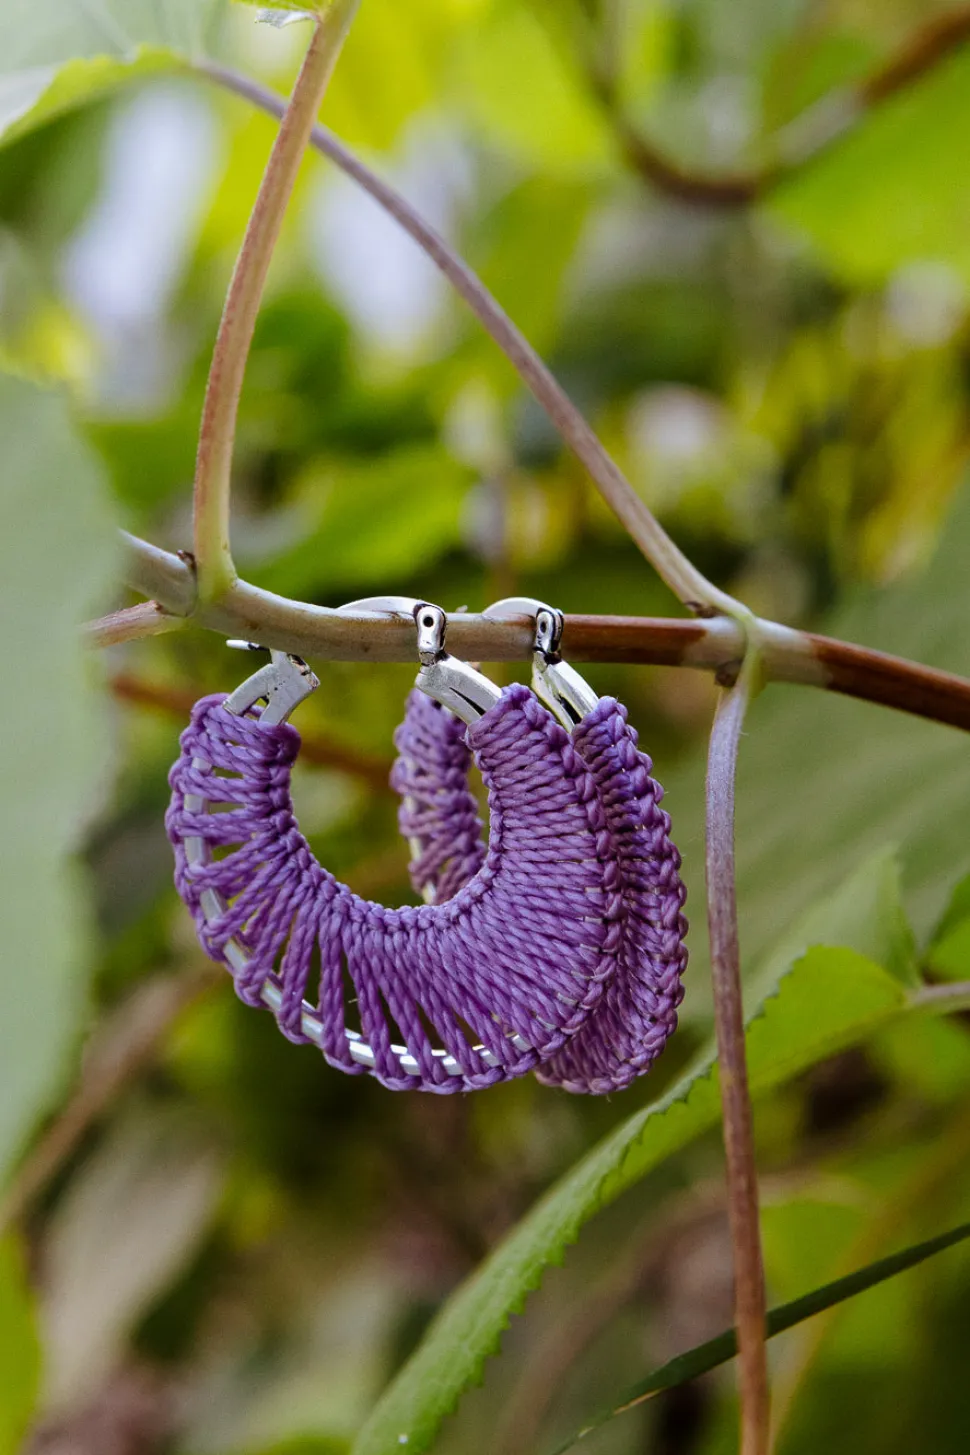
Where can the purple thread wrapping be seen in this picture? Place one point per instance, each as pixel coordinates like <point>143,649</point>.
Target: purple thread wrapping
<point>524,948</point>
<point>628,1028</point>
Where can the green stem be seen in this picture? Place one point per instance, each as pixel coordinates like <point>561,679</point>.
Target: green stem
<point>689,584</point>
<point>213,473</point>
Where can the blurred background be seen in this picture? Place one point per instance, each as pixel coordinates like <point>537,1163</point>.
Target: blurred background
<point>229,1246</point>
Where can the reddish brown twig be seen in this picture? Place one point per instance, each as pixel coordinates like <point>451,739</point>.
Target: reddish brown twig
<point>932,43</point>
<point>715,644</point>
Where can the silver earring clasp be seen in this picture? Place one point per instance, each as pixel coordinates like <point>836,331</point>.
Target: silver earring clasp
<point>568,696</point>
<point>455,684</point>
<point>284,682</point>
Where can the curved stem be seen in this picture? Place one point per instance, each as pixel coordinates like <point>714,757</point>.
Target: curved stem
<point>689,584</point>
<point>742,1178</point>
<point>213,470</point>
<point>803,139</point>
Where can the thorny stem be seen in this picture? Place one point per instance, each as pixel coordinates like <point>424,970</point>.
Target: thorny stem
<point>742,1177</point>
<point>216,572</point>
<point>689,584</point>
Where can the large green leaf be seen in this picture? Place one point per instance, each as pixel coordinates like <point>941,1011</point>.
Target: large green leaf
<point>892,192</point>
<point>57,550</point>
<point>831,998</point>
<point>19,1348</point>
<point>56,54</point>
<point>371,522</point>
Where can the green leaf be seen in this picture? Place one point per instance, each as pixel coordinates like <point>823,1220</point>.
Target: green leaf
<point>523,252</point>
<point>58,54</point>
<point>371,522</point>
<point>20,1348</point>
<point>719,1350</point>
<point>864,913</point>
<point>57,552</point>
<point>889,193</point>
<point>949,950</point>
<point>830,999</point>
<point>826,783</point>
<point>520,91</point>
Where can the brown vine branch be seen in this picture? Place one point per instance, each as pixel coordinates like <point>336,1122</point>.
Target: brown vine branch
<point>931,44</point>
<point>213,471</point>
<point>315,747</point>
<point>680,574</point>
<point>742,1178</point>
<point>803,139</point>
<point>715,644</point>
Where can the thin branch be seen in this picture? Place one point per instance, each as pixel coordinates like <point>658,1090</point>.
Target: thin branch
<point>742,1178</point>
<point>217,434</point>
<point>168,579</point>
<point>892,681</point>
<point>714,644</point>
<point>683,578</point>
<point>131,624</point>
<point>122,1045</point>
<point>315,747</point>
<point>803,139</point>
<point>945,999</point>
<point>930,45</point>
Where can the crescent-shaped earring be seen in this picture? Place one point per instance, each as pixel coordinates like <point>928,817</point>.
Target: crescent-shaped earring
<point>630,1025</point>
<point>453,996</point>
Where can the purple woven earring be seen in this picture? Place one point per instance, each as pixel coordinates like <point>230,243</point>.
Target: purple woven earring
<point>486,986</point>
<point>629,1026</point>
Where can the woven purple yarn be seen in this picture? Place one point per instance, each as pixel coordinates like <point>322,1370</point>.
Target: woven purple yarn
<point>630,1025</point>
<point>523,949</point>
<point>438,813</point>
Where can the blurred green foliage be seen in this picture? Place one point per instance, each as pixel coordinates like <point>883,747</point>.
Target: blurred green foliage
<point>243,1246</point>
<point>20,1345</point>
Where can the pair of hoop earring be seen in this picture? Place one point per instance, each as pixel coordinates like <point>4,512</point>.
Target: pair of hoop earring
<point>555,947</point>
